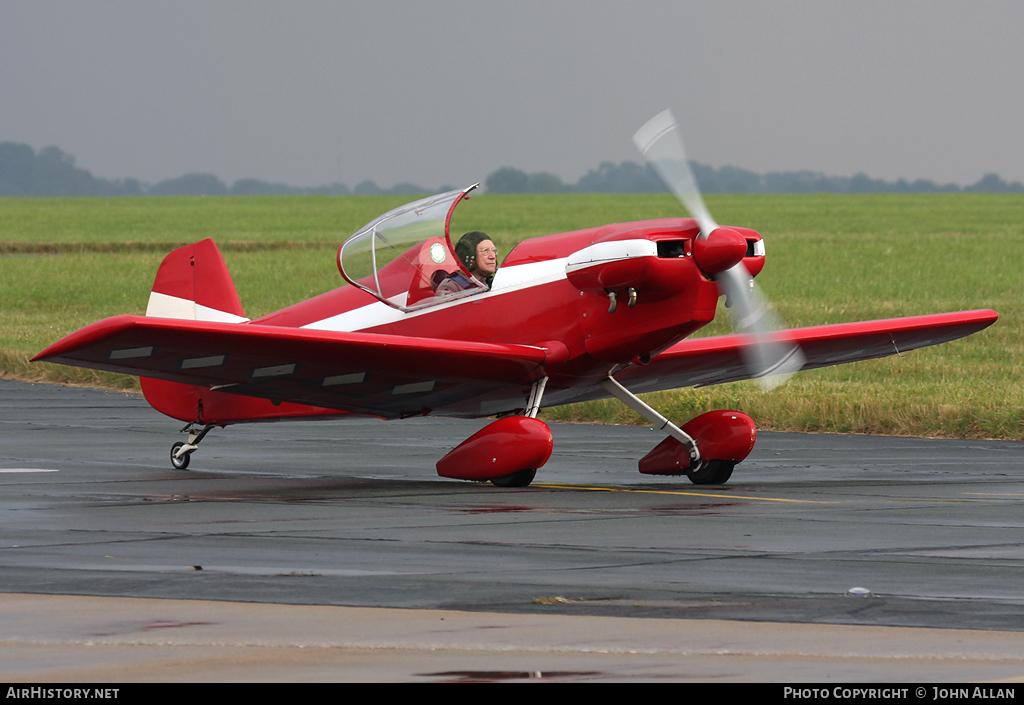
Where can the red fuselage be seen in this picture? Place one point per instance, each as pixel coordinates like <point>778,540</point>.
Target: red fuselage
<point>535,301</point>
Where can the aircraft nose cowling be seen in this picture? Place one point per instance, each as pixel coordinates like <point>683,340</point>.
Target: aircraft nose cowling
<point>723,249</point>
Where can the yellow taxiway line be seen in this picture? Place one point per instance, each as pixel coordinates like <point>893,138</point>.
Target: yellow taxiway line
<point>687,494</point>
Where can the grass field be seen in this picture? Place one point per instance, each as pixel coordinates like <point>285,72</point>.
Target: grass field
<point>831,258</point>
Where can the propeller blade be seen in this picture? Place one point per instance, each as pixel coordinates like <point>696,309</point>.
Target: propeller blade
<point>662,147</point>
<point>767,358</point>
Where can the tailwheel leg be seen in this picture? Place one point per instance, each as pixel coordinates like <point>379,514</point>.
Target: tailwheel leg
<point>181,452</point>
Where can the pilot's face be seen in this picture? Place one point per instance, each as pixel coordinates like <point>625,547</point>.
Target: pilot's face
<point>486,258</point>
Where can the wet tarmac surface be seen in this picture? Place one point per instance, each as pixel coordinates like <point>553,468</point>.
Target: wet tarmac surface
<point>352,513</point>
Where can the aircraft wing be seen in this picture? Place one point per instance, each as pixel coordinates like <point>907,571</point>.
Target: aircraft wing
<point>381,375</point>
<point>700,362</point>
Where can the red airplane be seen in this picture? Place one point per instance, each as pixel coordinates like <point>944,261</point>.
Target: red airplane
<point>421,329</point>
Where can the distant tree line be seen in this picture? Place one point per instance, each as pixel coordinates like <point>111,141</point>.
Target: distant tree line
<point>629,177</point>
<point>51,172</point>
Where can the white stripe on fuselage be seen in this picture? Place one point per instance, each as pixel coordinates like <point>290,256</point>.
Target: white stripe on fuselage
<point>507,280</point>
<point>606,252</point>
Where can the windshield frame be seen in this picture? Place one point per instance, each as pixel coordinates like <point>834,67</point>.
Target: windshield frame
<point>372,238</point>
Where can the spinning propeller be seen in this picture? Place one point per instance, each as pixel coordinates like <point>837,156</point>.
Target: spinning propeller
<point>719,252</point>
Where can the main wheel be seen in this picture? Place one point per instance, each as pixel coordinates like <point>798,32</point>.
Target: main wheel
<point>179,462</point>
<point>517,479</point>
<point>714,472</point>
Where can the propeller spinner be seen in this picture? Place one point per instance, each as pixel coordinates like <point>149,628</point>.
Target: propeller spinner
<point>719,253</point>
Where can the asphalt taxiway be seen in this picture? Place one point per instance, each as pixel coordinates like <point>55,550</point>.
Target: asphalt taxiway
<point>847,557</point>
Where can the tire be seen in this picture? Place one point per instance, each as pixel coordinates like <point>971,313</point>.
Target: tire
<point>182,462</point>
<point>714,472</point>
<point>517,479</point>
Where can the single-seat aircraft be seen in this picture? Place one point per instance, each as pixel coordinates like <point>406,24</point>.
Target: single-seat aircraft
<point>569,317</point>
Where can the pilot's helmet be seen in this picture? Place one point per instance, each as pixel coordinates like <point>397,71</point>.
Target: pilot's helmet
<point>465,248</point>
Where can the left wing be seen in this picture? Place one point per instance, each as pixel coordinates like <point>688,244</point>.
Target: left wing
<point>699,362</point>
<point>381,375</point>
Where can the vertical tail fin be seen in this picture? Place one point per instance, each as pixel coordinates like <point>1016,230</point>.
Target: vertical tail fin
<point>193,283</point>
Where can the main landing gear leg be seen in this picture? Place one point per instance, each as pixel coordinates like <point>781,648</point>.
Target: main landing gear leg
<point>181,452</point>
<point>536,394</point>
<point>648,412</point>
<point>727,437</point>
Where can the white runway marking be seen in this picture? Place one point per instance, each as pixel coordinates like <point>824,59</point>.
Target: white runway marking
<point>2,470</point>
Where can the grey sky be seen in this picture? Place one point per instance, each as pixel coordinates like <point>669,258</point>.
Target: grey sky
<point>445,92</point>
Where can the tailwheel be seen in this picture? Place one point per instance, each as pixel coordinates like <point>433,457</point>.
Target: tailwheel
<point>181,452</point>
<point>713,472</point>
<point>523,478</point>
<point>179,462</point>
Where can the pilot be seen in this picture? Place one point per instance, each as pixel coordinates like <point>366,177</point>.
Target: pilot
<point>478,253</point>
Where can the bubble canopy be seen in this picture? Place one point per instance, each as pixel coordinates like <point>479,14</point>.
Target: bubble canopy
<point>403,256</point>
